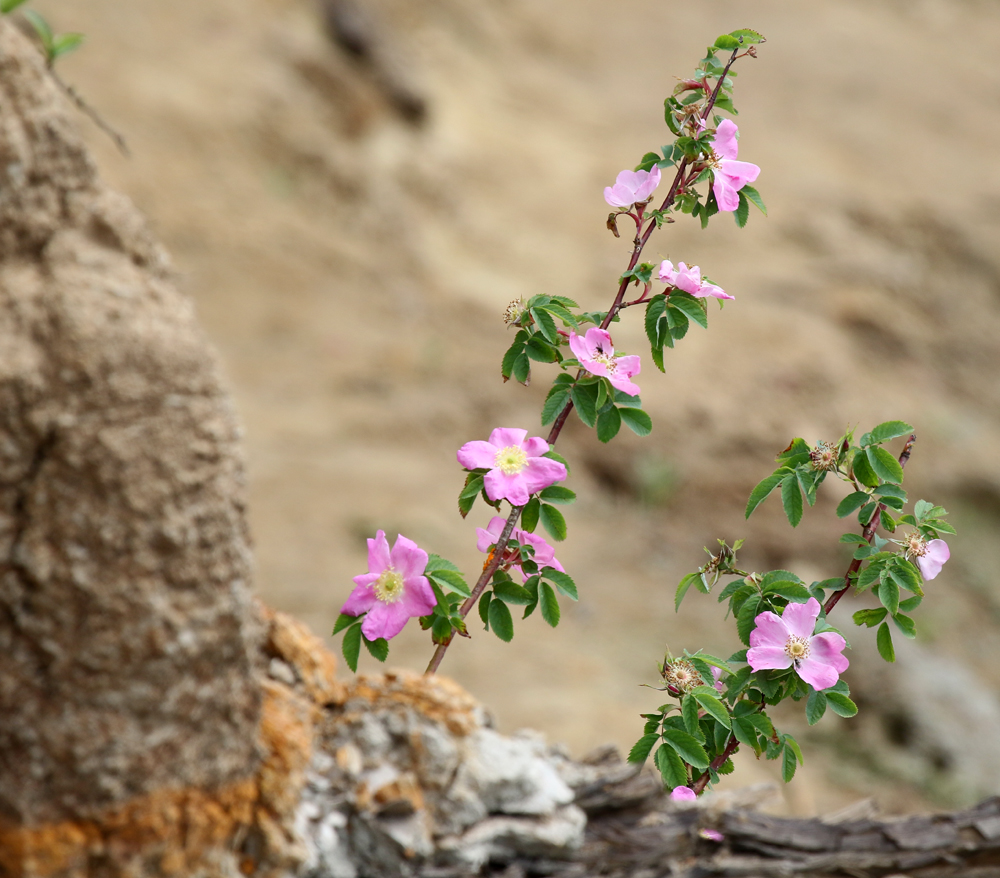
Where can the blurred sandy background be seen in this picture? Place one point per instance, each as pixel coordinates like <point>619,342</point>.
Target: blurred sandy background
<point>351,227</point>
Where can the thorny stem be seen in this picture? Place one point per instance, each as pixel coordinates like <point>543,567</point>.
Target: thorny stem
<point>560,421</point>
<point>869,534</point>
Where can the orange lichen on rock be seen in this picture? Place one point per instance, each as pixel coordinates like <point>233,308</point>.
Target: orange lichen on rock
<point>437,698</point>
<point>314,665</point>
<point>187,831</point>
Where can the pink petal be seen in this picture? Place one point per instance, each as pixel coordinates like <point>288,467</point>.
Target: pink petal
<point>540,473</point>
<point>930,564</point>
<point>649,183</point>
<point>725,194</point>
<point>630,180</point>
<point>630,365</point>
<point>770,631</point>
<point>800,619</point>
<point>619,196</point>
<point>594,368</point>
<point>828,647</point>
<point>578,345</point>
<point>378,553</point>
<point>477,454</point>
<point>418,596</point>
<point>666,272</point>
<point>725,142</point>
<point>600,338</point>
<point>739,173</point>
<point>503,487</point>
<point>763,657</point>
<point>490,534</point>
<point>535,446</point>
<point>504,437</point>
<point>688,279</point>
<point>384,620</point>
<point>683,794</point>
<point>817,674</point>
<point>408,558</point>
<point>361,599</point>
<point>621,382</point>
<point>712,290</point>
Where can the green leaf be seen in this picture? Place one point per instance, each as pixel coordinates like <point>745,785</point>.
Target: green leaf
<point>742,212</point>
<point>689,711</point>
<point>888,594</point>
<point>850,503</point>
<point>869,618</point>
<point>557,494</point>
<point>788,764</point>
<point>66,43</point>
<point>863,471</point>
<point>745,732</point>
<point>910,604</point>
<point>379,648</point>
<point>884,643</point>
<point>10,5</point>
<point>889,430</point>
<point>654,325</point>
<point>792,591</point>
<point>585,399</point>
<point>727,42</point>
<point>791,499</point>
<point>501,621</point>
<point>672,769</point>
<point>42,28</point>
<point>522,368</point>
<point>692,307</point>
<point>549,604</point>
<point>546,325</point>
<point>682,588</point>
<point>529,515</point>
<point>714,707</point>
<point>609,422</point>
<point>467,498</point>
<point>906,625</point>
<point>453,580</point>
<point>754,197</point>
<point>540,350</point>
<point>815,707</point>
<point>513,352</point>
<point>484,608</point>
<point>906,575</point>
<point>511,593</point>
<point>884,465</point>
<point>343,620</point>
<point>553,521</point>
<point>857,539</point>
<point>687,747</point>
<point>636,420</point>
<point>763,488</point>
<point>640,749</point>
<point>747,36</point>
<point>351,647</point>
<point>562,581</point>
<point>745,619</point>
<point>555,402</point>
<point>841,705</point>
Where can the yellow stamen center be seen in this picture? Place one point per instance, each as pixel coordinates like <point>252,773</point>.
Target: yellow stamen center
<point>511,460</point>
<point>389,586</point>
<point>916,545</point>
<point>797,648</point>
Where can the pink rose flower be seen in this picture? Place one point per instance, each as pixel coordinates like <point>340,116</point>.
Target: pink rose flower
<point>596,354</point>
<point>717,676</point>
<point>729,175</point>
<point>690,281</point>
<point>515,463</point>
<point>787,641</point>
<point>682,794</point>
<point>393,590</point>
<point>545,555</point>
<point>930,557</point>
<point>632,186</point>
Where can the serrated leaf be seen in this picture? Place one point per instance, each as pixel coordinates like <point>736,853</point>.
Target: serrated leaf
<point>522,368</point>
<point>636,420</point>
<point>883,641</point>
<point>609,422</point>
<point>889,430</point>
<point>682,588</point>
<point>501,621</point>
<point>511,593</point>
<point>552,454</point>
<point>555,402</point>
<point>910,604</point>
<point>512,353</point>
<point>745,619</point>
<point>351,647</point>
<point>850,503</point>
<point>546,325</point>
<point>689,712</point>
<point>687,747</point>
<point>452,580</point>
<point>563,582</point>
<point>672,769</point>
<point>692,307</point>
<point>884,465</point>
<point>856,539</point>
<point>906,625</point>
<point>792,591</point>
<point>549,604</point>
<point>742,212</point>
<point>641,748</point>
<point>584,397</point>
<point>747,36</point>
<point>869,618</point>
<point>540,350</point>
<point>753,196</point>
<point>529,515</point>
<point>815,707</point>
<point>379,648</point>
<point>791,499</point>
<point>553,521</point>
<point>714,707</point>
<point>888,594</point>
<point>484,608</point>
<point>863,471</point>
<point>763,489</point>
<point>557,494</point>
<point>906,575</point>
<point>343,620</point>
<point>745,732</point>
<point>841,704</point>
<point>788,764</point>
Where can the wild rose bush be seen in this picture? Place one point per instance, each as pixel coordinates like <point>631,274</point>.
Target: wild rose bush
<point>790,647</point>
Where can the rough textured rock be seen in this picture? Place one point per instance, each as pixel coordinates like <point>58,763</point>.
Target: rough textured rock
<point>126,629</point>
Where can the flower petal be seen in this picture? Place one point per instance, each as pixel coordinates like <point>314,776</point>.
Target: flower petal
<point>477,454</point>
<point>666,272</point>
<point>513,488</point>
<point>725,194</point>
<point>490,534</point>
<point>620,381</point>
<point>739,173</point>
<point>408,558</point>
<point>540,473</point>
<point>536,446</point>
<point>617,196</point>
<point>378,553</point>
<point>384,620</point>
<point>817,674</point>
<point>361,599</point>
<point>725,142</point>
<point>504,437</point>
<point>600,338</point>
<point>828,647</point>
<point>650,180</point>
<point>763,657</point>
<point>931,563</point>
<point>770,631</point>
<point>683,794</point>
<point>418,596</point>
<point>800,619</point>
<point>578,345</point>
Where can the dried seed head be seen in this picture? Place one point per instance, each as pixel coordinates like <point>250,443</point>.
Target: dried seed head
<point>824,456</point>
<point>681,674</point>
